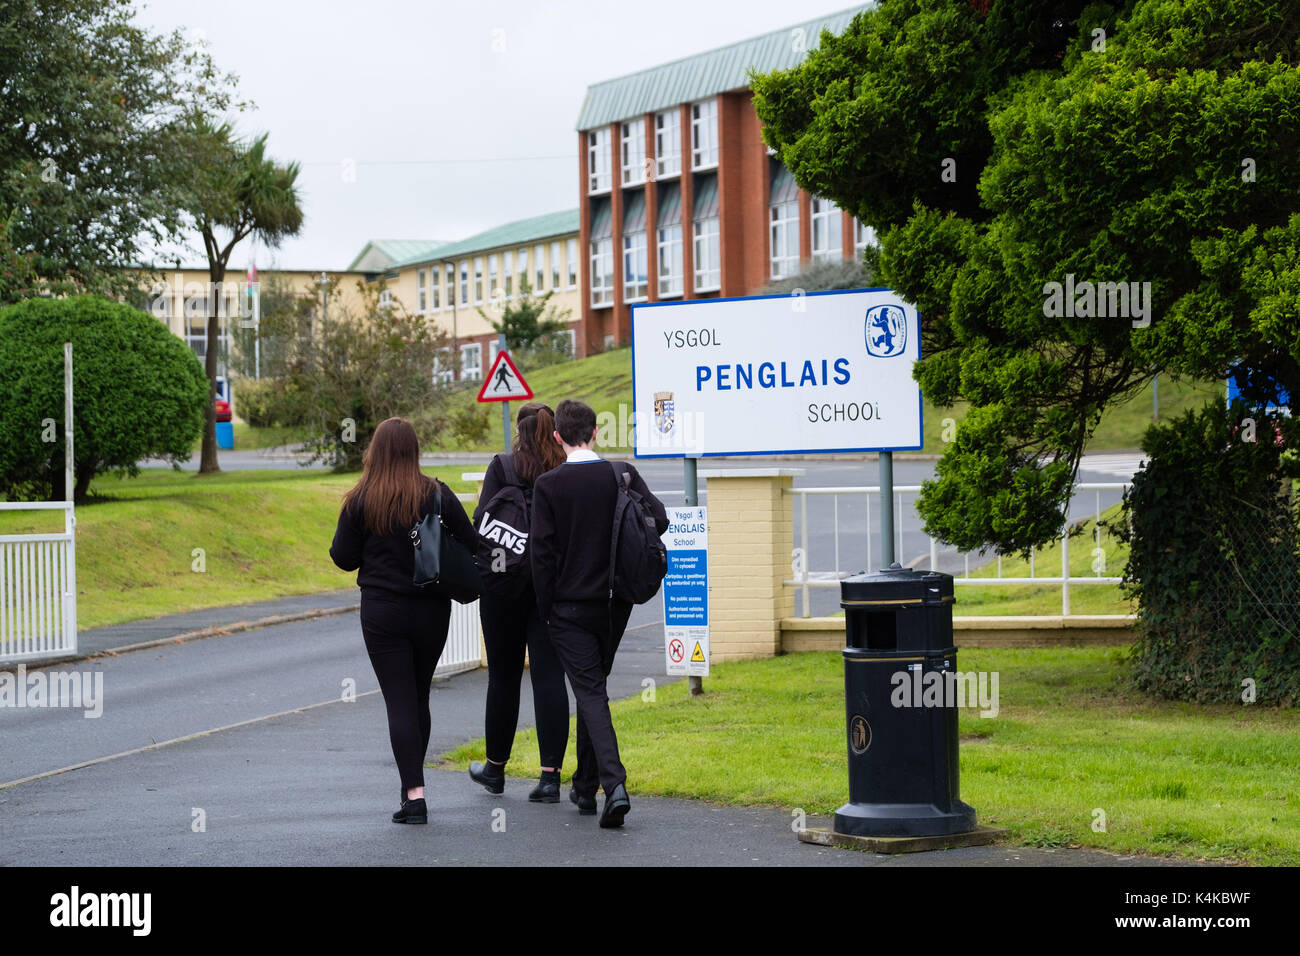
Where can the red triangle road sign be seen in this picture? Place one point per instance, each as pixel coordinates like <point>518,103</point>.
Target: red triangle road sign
<point>504,383</point>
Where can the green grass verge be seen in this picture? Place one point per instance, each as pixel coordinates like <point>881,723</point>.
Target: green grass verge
<point>264,534</point>
<point>1071,736</point>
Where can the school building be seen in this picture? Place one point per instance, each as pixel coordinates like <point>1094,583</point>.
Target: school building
<point>451,282</point>
<point>681,198</point>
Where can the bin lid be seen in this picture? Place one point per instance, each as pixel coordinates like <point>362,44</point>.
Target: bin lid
<point>896,585</point>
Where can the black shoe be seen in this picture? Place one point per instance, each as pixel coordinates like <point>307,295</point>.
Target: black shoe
<point>547,789</point>
<point>413,811</point>
<point>491,775</point>
<point>616,807</point>
<point>586,804</point>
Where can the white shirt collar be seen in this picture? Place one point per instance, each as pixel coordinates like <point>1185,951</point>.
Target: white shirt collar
<point>579,455</point>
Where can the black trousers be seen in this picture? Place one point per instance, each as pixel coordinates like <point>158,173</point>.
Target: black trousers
<point>509,627</point>
<point>586,637</point>
<point>404,638</point>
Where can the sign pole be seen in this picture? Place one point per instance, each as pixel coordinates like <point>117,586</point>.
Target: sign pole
<point>886,464</point>
<point>691,480</point>
<point>505,406</point>
<point>69,466</point>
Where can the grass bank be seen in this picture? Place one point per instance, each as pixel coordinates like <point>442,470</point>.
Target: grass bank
<point>1071,737</point>
<point>259,534</point>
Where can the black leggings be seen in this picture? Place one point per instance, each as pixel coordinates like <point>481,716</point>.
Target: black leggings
<point>404,638</point>
<point>507,627</point>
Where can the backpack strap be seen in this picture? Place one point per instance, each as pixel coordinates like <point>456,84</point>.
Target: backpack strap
<point>508,469</point>
<point>621,480</point>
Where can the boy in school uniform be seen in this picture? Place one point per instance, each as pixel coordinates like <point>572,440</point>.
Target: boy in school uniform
<point>572,520</point>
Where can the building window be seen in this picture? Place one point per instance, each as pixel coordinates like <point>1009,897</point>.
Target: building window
<point>571,261</point>
<point>435,288</point>
<point>633,152</point>
<point>471,362</point>
<point>704,134</point>
<point>785,239</point>
<point>564,339</point>
<point>444,371</point>
<point>555,265</point>
<point>602,271</point>
<point>826,239</point>
<point>478,280</point>
<point>634,267</point>
<point>421,294</point>
<point>493,288</point>
<point>508,273</point>
<point>521,264</point>
<point>670,260</point>
<point>464,282</point>
<point>451,286</point>
<point>598,171</point>
<point>539,267</point>
<point>708,255</point>
<point>386,299</point>
<point>863,236</point>
<point>668,142</point>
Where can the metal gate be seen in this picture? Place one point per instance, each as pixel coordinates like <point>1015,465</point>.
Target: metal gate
<point>464,650</point>
<point>38,588</point>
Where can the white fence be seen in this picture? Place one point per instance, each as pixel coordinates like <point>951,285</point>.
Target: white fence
<point>463,651</point>
<point>38,588</point>
<point>804,578</point>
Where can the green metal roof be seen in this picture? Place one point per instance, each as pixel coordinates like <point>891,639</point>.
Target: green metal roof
<point>706,74</point>
<point>381,254</point>
<point>517,233</point>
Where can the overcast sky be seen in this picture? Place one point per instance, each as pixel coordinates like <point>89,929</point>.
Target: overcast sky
<point>449,136</point>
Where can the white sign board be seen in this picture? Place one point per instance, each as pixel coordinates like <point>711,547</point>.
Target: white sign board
<point>686,592</point>
<point>823,372</point>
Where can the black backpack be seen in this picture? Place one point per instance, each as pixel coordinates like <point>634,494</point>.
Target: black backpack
<point>638,560</point>
<point>504,523</point>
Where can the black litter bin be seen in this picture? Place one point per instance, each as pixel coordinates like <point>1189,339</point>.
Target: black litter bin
<point>903,770</point>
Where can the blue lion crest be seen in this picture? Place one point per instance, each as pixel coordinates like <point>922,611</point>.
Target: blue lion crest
<point>886,331</point>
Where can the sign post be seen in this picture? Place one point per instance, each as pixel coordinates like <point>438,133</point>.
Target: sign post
<point>504,384</point>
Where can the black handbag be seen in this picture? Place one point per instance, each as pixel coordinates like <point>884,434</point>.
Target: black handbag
<point>442,564</point>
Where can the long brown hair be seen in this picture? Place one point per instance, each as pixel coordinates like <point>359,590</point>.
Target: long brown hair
<point>536,450</point>
<point>392,489</point>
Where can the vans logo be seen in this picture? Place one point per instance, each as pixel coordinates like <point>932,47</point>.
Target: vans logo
<point>497,531</point>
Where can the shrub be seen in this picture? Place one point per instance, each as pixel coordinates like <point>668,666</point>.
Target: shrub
<point>1215,558</point>
<point>139,392</point>
<point>273,401</point>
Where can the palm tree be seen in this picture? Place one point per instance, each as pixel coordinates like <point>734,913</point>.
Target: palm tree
<point>238,190</point>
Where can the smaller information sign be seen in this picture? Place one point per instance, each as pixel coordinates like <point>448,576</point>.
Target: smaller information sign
<point>686,592</point>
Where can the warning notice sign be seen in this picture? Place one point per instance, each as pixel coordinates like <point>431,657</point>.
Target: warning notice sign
<point>504,383</point>
<point>686,592</point>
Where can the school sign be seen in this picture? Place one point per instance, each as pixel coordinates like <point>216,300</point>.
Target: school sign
<point>768,375</point>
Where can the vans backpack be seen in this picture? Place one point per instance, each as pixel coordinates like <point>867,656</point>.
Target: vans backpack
<point>504,523</point>
<point>638,559</point>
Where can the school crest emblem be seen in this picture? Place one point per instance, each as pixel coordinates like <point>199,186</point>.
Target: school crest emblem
<point>665,412</point>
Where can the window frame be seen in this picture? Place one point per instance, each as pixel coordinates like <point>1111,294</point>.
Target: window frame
<point>664,156</point>
<point>675,276</point>
<point>700,238</point>
<point>788,228</point>
<point>599,161</point>
<point>602,295</point>
<point>704,156</point>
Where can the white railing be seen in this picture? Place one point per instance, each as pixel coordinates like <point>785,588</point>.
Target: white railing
<point>38,588</point>
<point>805,579</point>
<point>463,651</point>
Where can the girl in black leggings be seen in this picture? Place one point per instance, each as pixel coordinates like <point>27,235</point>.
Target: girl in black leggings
<point>405,627</point>
<point>511,623</point>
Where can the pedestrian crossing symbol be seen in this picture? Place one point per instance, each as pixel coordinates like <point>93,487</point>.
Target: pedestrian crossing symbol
<point>697,655</point>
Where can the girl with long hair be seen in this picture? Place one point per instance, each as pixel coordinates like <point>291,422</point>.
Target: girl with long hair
<point>405,627</point>
<point>511,624</point>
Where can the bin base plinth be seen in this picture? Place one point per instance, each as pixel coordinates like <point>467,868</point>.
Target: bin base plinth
<point>902,820</point>
<point>825,836</point>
